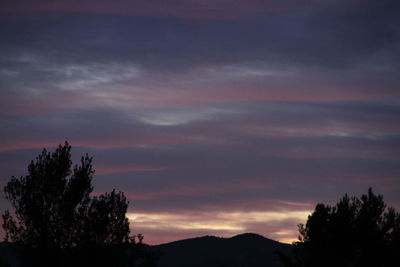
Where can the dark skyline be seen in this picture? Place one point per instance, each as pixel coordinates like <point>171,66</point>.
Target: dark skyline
<point>214,117</point>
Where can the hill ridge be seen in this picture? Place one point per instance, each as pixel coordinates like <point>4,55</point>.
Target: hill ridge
<point>247,249</point>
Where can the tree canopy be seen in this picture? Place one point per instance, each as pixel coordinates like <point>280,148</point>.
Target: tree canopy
<point>354,232</point>
<point>54,212</point>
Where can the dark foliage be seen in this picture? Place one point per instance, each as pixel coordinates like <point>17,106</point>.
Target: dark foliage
<point>58,223</point>
<point>355,232</point>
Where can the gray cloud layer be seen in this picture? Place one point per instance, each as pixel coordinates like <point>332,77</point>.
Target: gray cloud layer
<point>279,103</point>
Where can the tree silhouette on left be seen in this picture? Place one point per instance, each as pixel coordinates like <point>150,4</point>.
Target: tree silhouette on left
<point>55,217</point>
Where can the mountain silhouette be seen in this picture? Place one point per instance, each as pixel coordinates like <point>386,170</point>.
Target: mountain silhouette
<point>245,250</point>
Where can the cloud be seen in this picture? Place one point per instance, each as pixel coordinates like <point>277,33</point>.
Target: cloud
<point>192,9</point>
<point>313,35</point>
<point>271,224</point>
<point>94,77</point>
<point>183,115</point>
<point>222,107</point>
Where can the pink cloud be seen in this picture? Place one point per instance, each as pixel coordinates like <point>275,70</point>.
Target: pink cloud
<point>198,190</point>
<point>103,170</point>
<point>100,143</point>
<point>50,103</point>
<point>21,145</point>
<point>128,99</point>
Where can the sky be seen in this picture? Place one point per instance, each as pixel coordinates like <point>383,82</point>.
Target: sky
<point>214,117</point>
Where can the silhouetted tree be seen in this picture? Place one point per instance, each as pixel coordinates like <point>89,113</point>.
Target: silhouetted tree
<point>355,232</point>
<point>58,222</point>
<point>2,264</point>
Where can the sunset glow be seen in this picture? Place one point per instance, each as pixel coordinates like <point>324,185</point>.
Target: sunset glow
<point>280,226</point>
